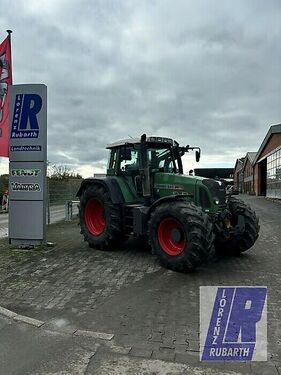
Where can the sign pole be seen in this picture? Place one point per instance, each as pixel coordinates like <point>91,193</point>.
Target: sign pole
<point>28,164</point>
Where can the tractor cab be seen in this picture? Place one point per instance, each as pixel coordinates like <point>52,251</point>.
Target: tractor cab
<point>140,160</point>
<point>126,156</point>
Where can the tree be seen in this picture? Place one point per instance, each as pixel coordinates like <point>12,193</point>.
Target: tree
<point>62,172</point>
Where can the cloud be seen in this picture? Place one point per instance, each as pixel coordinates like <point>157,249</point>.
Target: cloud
<point>204,72</point>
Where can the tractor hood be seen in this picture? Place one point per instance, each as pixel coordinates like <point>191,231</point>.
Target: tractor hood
<point>171,184</point>
<point>205,192</point>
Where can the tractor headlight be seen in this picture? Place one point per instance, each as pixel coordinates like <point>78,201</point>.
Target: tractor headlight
<point>216,201</point>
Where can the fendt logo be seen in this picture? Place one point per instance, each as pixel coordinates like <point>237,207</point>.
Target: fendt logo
<point>236,329</point>
<point>25,172</point>
<point>25,124</point>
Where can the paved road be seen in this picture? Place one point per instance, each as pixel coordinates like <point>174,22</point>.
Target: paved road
<point>57,213</point>
<point>26,350</point>
<point>152,312</point>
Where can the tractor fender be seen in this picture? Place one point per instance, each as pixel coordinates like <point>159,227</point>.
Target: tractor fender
<point>168,198</point>
<point>110,184</point>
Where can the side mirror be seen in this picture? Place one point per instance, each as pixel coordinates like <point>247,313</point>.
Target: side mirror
<point>197,155</point>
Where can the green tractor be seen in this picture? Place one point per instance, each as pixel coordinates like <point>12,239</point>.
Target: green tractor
<point>145,194</point>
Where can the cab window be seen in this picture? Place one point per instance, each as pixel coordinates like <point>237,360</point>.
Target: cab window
<point>161,160</point>
<point>112,160</point>
<point>129,160</point>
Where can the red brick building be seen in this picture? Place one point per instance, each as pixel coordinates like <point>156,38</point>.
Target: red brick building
<point>267,165</point>
<point>248,173</point>
<point>238,175</point>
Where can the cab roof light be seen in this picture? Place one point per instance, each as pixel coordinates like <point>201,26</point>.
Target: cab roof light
<point>160,140</point>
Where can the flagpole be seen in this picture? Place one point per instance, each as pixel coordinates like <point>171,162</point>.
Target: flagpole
<point>10,44</point>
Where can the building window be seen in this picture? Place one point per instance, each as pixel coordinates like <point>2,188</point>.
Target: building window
<point>273,188</point>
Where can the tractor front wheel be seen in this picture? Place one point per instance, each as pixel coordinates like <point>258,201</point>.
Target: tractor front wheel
<point>180,235</point>
<point>235,244</point>
<point>100,219</point>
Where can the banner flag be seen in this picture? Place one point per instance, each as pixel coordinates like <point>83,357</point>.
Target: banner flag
<point>5,81</point>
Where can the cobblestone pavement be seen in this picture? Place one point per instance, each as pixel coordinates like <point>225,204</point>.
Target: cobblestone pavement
<point>151,310</point>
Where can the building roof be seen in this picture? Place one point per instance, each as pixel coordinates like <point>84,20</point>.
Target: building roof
<point>241,162</point>
<point>274,129</point>
<point>251,156</point>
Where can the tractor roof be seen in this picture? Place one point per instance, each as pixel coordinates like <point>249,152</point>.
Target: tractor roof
<point>133,141</point>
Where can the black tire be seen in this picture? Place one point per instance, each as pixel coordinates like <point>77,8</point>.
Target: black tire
<point>194,236</point>
<point>109,232</point>
<point>235,245</point>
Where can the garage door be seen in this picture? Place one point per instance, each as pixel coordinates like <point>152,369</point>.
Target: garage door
<point>273,185</point>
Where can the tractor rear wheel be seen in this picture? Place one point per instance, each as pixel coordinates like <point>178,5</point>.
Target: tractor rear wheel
<point>100,219</point>
<point>180,235</point>
<point>236,244</point>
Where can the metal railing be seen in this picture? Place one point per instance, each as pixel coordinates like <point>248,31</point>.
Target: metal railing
<point>69,209</point>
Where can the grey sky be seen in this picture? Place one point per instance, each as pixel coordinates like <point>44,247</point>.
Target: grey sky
<point>204,72</point>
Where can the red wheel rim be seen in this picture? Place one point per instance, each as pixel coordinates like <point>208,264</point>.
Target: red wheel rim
<point>171,236</point>
<point>94,217</point>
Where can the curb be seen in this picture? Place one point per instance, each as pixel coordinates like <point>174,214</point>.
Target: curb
<point>96,335</point>
<point>40,324</point>
<point>20,318</point>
